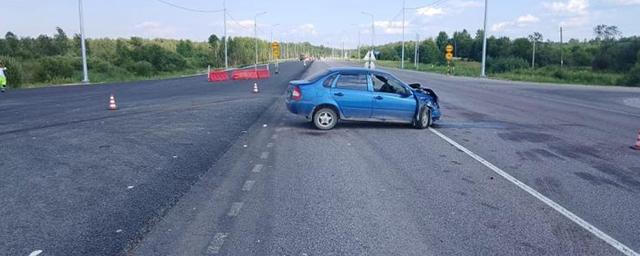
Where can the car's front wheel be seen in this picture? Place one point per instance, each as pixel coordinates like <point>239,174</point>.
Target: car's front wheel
<point>424,118</point>
<point>325,118</point>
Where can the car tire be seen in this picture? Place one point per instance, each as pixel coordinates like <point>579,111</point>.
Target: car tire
<point>424,119</point>
<point>325,119</point>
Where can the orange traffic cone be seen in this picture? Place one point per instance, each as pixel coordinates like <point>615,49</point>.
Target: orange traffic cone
<point>637,145</point>
<point>255,88</point>
<point>112,103</point>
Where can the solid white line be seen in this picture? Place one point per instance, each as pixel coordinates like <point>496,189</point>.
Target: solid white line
<point>216,244</point>
<point>248,185</point>
<point>571,216</point>
<point>257,168</point>
<point>235,209</point>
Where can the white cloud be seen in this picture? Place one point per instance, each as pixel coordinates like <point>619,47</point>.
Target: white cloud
<point>574,13</point>
<point>430,11</point>
<point>520,22</point>
<point>309,29</point>
<point>462,4</point>
<point>580,7</point>
<point>390,27</point>
<point>527,19</point>
<point>153,29</point>
<point>625,2</point>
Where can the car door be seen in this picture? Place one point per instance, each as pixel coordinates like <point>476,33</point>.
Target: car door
<point>392,100</point>
<point>351,92</point>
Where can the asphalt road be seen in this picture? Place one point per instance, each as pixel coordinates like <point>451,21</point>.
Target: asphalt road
<point>78,179</point>
<point>284,188</point>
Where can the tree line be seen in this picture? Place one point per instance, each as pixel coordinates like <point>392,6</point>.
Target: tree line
<point>607,52</point>
<point>57,59</point>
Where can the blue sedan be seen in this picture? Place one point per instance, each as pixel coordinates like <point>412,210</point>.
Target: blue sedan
<point>361,94</point>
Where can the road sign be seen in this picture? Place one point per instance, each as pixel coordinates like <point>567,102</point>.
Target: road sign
<point>449,48</point>
<point>448,56</point>
<point>275,50</point>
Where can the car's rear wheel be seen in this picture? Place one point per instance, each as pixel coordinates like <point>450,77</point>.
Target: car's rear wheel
<point>424,118</point>
<point>325,119</point>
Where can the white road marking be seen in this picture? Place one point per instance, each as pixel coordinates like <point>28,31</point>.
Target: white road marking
<point>216,243</point>
<point>35,253</point>
<point>270,144</point>
<point>570,215</point>
<point>257,168</point>
<point>119,231</point>
<point>248,185</point>
<point>264,155</point>
<point>129,187</point>
<point>235,209</point>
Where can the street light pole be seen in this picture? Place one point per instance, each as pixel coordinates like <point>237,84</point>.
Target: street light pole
<point>255,35</point>
<point>484,41</point>
<point>403,19</point>
<point>226,37</point>
<point>372,37</point>
<point>85,72</point>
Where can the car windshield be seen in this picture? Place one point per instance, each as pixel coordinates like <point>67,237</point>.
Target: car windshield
<point>313,128</point>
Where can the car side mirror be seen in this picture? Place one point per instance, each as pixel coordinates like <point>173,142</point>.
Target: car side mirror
<point>415,85</point>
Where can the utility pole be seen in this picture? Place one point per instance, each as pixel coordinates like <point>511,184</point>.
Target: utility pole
<point>484,41</point>
<point>359,43</point>
<point>415,54</point>
<point>372,37</point>
<point>561,50</point>
<point>226,38</point>
<point>533,55</point>
<point>403,19</point>
<point>255,34</point>
<point>343,50</point>
<point>85,72</point>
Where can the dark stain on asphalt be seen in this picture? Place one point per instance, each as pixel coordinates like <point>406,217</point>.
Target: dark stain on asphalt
<point>537,155</point>
<point>524,136</point>
<point>468,180</point>
<point>313,133</point>
<point>576,151</point>
<point>619,173</point>
<point>549,184</point>
<point>456,162</point>
<point>489,206</point>
<point>595,180</point>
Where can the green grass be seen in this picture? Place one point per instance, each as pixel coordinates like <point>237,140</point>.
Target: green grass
<point>550,74</point>
<point>97,77</point>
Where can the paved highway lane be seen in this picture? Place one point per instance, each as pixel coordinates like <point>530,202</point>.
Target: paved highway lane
<point>80,180</point>
<point>382,189</point>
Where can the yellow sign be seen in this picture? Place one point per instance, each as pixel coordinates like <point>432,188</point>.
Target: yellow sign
<point>448,56</point>
<point>275,50</point>
<point>448,48</point>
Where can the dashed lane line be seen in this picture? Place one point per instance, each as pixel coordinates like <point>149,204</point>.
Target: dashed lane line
<point>257,168</point>
<point>216,243</point>
<point>570,215</point>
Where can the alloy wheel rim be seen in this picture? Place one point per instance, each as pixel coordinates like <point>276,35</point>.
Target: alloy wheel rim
<point>325,119</point>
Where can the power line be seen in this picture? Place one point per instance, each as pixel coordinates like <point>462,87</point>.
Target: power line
<point>189,9</point>
<point>236,22</point>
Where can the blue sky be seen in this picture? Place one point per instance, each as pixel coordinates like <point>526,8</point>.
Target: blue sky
<point>328,22</point>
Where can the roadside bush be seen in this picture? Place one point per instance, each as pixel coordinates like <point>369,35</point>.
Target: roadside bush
<point>633,77</point>
<point>14,72</point>
<point>501,65</point>
<point>54,67</point>
<point>142,68</point>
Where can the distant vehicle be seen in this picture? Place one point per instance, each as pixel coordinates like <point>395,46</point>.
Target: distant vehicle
<point>362,95</point>
<point>302,57</point>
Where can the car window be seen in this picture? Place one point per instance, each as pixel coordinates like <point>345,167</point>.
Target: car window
<point>352,82</point>
<point>329,81</point>
<point>387,84</point>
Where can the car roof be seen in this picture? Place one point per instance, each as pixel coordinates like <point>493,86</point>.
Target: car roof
<point>354,69</point>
